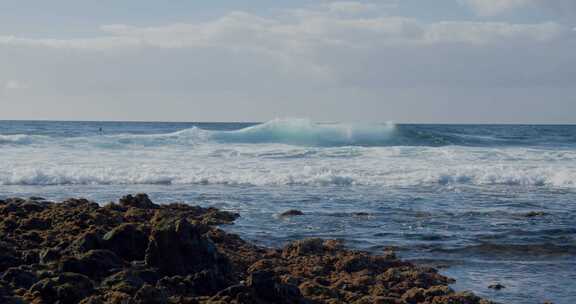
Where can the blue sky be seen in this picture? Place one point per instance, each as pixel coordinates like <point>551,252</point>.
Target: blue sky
<point>385,60</point>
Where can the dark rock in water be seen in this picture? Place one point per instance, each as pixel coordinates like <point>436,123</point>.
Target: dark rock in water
<point>292,212</point>
<point>535,214</point>
<point>19,278</point>
<point>361,214</point>
<point>128,241</point>
<point>67,288</point>
<point>177,247</point>
<point>140,200</point>
<point>497,286</point>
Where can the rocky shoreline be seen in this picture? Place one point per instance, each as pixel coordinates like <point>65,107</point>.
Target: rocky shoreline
<point>136,251</point>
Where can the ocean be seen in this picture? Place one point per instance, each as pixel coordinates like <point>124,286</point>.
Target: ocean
<point>483,203</point>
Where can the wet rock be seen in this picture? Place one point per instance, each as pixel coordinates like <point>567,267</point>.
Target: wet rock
<point>128,241</point>
<point>177,247</point>
<point>497,286</point>
<point>67,288</point>
<point>535,214</point>
<point>292,212</point>
<point>140,200</point>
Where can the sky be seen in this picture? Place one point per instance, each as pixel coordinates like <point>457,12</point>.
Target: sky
<point>422,61</point>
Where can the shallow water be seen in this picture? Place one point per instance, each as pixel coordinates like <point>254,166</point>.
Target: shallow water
<point>455,197</point>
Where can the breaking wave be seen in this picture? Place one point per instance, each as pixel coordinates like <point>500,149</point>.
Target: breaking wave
<point>300,132</point>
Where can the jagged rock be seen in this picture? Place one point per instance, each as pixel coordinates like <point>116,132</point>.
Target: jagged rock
<point>177,247</point>
<point>66,288</point>
<point>140,200</point>
<point>128,241</point>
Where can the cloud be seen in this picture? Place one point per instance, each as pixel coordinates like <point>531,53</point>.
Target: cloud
<point>14,85</point>
<point>496,7</point>
<point>316,46</point>
<point>293,34</point>
<point>350,7</point>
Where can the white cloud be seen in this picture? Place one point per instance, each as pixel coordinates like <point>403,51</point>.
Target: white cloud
<point>312,47</point>
<point>350,7</point>
<point>14,85</point>
<point>299,34</point>
<point>495,7</point>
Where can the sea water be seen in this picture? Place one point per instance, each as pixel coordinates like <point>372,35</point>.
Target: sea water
<point>483,203</point>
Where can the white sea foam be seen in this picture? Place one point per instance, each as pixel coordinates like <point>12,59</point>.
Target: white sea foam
<point>276,164</point>
<point>280,152</point>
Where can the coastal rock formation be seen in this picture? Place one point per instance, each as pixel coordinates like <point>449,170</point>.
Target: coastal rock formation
<point>140,252</point>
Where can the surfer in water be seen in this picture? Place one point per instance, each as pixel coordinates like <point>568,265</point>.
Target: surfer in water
<point>100,131</point>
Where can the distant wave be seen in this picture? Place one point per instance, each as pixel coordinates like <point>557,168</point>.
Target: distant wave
<point>283,131</point>
<point>301,132</point>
